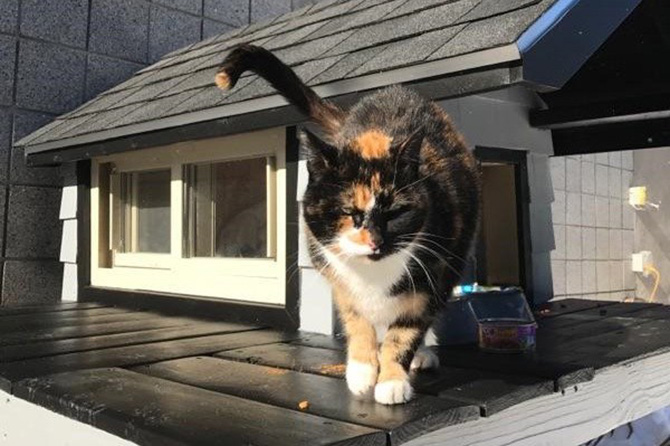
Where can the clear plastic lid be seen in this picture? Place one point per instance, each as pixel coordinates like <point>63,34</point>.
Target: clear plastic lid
<point>506,305</point>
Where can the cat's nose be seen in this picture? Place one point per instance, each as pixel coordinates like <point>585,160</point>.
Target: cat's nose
<point>376,239</point>
<point>375,242</point>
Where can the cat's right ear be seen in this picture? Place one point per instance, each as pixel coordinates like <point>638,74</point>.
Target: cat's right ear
<point>321,156</point>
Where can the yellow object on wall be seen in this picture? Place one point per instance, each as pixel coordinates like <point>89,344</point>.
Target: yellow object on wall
<point>637,197</point>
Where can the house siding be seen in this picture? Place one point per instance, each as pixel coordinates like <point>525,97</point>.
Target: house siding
<point>54,429</point>
<point>55,55</point>
<point>500,120</point>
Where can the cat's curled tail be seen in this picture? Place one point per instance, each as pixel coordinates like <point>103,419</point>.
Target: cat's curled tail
<point>253,58</point>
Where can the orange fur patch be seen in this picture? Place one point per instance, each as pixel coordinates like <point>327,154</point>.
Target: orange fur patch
<point>361,237</point>
<point>362,196</point>
<point>361,335</point>
<point>373,144</point>
<point>376,182</point>
<point>346,223</point>
<point>222,80</point>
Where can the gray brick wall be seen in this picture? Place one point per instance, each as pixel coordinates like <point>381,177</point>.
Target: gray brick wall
<point>54,55</point>
<point>593,226</point>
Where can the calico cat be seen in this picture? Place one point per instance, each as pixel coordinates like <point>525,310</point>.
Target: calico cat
<point>390,212</point>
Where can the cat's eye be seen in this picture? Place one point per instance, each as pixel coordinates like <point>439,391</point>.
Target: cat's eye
<point>356,215</point>
<point>358,219</point>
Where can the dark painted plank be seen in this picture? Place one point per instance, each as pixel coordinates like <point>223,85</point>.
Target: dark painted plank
<point>650,311</point>
<point>537,364</point>
<point>135,354</point>
<point>19,319</point>
<point>597,314</point>
<point>289,356</point>
<point>631,342</point>
<point>497,391</point>
<point>492,392</point>
<point>321,341</point>
<point>66,319</point>
<point>80,331</point>
<point>530,369</point>
<point>610,322</point>
<point>50,308</point>
<point>327,397</point>
<point>42,349</point>
<point>152,411</point>
<point>566,306</point>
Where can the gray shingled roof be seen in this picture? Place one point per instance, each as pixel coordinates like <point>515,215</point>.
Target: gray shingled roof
<point>324,43</point>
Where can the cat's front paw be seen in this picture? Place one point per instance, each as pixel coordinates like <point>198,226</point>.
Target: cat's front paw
<point>395,391</point>
<point>424,359</point>
<point>361,377</point>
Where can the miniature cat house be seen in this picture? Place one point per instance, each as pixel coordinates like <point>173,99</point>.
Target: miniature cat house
<point>188,199</point>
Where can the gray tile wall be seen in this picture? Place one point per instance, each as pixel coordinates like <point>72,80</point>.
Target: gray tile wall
<point>652,225</point>
<point>593,226</point>
<point>54,55</point>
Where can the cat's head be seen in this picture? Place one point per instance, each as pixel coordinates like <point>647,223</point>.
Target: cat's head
<point>367,198</point>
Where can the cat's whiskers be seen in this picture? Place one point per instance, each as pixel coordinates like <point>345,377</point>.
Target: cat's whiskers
<point>425,236</point>
<point>449,253</point>
<point>418,261</point>
<point>429,234</point>
<point>415,182</point>
<point>409,276</point>
<point>326,253</point>
<point>446,262</point>
<point>418,238</point>
<point>292,270</point>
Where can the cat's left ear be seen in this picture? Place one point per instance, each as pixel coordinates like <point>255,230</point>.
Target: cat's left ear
<point>320,155</point>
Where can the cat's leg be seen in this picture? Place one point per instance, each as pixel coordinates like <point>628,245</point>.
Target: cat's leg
<point>362,360</point>
<point>425,358</point>
<point>397,352</point>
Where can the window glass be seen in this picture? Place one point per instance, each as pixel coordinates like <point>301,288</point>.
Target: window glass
<point>143,223</point>
<point>227,209</point>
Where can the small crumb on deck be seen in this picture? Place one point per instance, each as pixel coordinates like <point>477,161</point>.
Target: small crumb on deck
<point>333,369</point>
<point>303,405</point>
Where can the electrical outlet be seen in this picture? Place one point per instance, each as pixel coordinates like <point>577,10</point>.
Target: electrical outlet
<point>640,260</point>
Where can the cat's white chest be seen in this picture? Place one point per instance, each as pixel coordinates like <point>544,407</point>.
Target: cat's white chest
<point>370,284</point>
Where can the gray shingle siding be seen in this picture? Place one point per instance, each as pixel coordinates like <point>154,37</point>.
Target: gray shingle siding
<point>50,77</point>
<point>9,15</point>
<point>58,22</point>
<point>7,64</point>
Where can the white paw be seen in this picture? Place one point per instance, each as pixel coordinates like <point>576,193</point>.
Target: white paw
<point>361,377</point>
<point>424,359</point>
<point>396,391</point>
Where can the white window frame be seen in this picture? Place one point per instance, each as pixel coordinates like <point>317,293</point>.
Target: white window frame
<point>254,280</point>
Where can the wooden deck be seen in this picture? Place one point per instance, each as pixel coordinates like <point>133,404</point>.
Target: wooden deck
<point>155,379</point>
